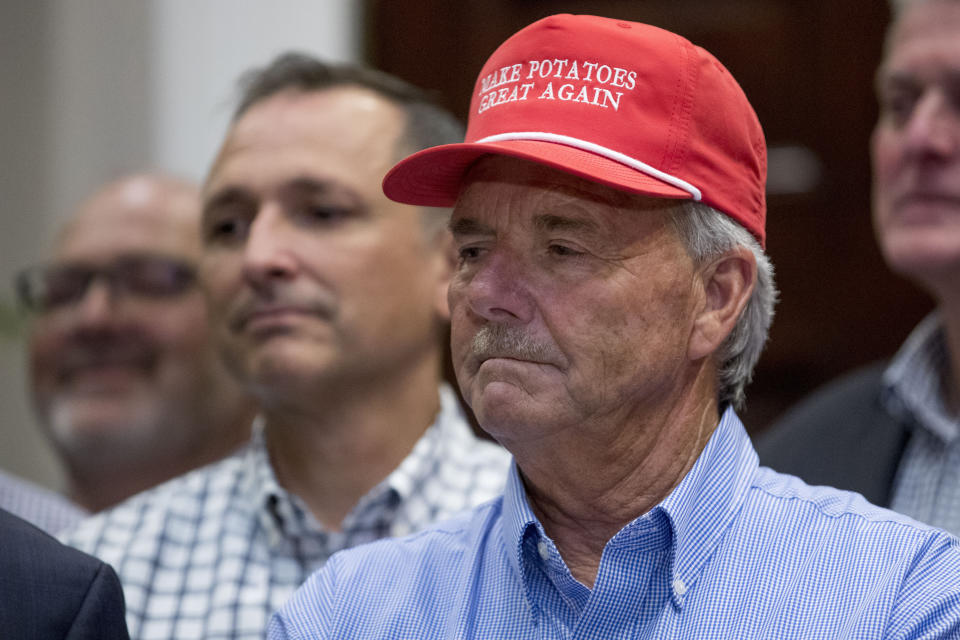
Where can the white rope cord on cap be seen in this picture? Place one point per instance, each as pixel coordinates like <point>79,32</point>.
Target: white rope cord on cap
<point>633,163</point>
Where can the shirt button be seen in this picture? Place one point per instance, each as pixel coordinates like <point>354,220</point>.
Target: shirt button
<point>543,550</point>
<point>679,587</point>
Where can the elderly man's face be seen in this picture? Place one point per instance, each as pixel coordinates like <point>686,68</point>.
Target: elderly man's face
<point>571,301</point>
<point>117,372</point>
<point>314,275</point>
<point>916,146</point>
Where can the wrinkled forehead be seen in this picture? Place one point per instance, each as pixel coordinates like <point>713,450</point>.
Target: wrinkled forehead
<point>530,178</point>
<point>509,192</point>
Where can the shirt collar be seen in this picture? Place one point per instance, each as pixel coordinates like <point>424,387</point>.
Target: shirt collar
<point>913,384</point>
<point>518,523</point>
<point>698,509</point>
<point>284,514</point>
<point>418,467</point>
<point>276,511</point>
<point>708,499</point>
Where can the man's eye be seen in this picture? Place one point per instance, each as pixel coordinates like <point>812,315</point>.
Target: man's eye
<point>226,230</point>
<point>326,214</point>
<point>468,253</point>
<point>898,106</point>
<point>563,250</point>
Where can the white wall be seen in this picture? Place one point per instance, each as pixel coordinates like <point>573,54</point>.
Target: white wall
<point>92,89</point>
<point>203,46</point>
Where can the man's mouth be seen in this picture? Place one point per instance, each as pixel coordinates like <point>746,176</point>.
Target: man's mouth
<point>933,202</point>
<point>273,316</point>
<point>508,357</point>
<point>105,369</point>
<point>494,342</point>
<point>270,317</point>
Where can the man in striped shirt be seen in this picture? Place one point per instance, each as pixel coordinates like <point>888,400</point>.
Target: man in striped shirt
<point>611,298</point>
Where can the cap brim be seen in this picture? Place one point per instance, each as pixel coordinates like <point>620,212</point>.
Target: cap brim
<point>433,177</point>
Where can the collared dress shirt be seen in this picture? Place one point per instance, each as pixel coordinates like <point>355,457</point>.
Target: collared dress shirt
<point>734,551</point>
<point>211,554</point>
<point>927,485</point>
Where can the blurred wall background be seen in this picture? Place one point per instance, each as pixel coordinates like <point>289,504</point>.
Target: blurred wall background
<point>94,88</point>
<point>91,89</point>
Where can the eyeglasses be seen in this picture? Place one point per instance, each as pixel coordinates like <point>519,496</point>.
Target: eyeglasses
<point>46,287</point>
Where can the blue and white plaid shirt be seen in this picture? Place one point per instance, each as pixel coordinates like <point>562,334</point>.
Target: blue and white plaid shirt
<point>735,551</point>
<point>927,486</point>
<point>211,554</point>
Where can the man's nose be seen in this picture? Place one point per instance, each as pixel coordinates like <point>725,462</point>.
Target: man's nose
<point>268,252</point>
<point>934,126</point>
<point>497,289</point>
<point>97,305</point>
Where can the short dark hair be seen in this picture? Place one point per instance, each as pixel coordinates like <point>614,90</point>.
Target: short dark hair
<point>427,123</point>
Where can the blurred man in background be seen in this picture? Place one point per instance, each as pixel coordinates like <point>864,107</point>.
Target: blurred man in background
<point>125,381</point>
<point>892,432</point>
<point>329,302</point>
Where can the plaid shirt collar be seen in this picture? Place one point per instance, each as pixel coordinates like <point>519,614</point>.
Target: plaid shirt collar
<point>286,517</point>
<point>914,383</point>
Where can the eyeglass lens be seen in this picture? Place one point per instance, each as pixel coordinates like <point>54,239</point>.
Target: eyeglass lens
<point>51,286</point>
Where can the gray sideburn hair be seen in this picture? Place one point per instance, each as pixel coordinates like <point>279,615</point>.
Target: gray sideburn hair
<point>708,233</point>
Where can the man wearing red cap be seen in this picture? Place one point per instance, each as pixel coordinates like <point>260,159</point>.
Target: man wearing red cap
<point>611,298</point>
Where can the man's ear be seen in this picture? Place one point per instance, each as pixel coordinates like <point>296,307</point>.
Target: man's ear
<point>444,262</point>
<point>728,282</point>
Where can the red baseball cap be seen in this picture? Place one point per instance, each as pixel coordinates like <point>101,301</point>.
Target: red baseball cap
<point>621,103</point>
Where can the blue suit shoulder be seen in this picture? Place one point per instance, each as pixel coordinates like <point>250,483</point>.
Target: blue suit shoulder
<point>51,591</point>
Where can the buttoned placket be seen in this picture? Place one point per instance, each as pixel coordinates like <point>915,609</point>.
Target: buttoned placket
<point>633,583</point>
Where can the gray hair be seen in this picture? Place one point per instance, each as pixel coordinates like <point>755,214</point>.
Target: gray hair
<point>708,233</point>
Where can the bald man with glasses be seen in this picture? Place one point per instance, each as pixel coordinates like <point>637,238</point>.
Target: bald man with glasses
<point>124,381</point>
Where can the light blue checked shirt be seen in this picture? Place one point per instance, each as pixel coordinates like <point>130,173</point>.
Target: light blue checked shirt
<point>735,551</point>
<point>927,486</point>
